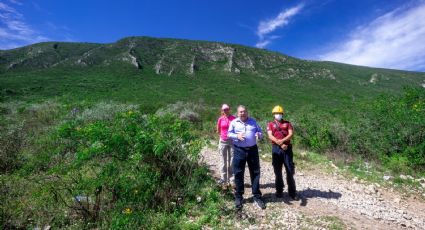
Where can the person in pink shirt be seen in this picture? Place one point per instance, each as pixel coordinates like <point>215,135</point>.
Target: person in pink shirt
<point>225,145</point>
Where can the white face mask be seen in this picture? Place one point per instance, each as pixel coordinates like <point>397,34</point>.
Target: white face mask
<point>278,117</point>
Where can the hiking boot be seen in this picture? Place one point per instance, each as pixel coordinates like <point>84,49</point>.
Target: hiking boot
<point>259,203</point>
<point>279,194</point>
<point>238,203</point>
<point>295,197</point>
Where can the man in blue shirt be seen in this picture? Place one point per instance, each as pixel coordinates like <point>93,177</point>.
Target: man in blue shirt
<point>244,131</point>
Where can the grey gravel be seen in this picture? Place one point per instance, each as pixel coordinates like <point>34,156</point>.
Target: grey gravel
<point>326,200</point>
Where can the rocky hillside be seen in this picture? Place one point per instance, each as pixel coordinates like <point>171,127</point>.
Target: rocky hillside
<point>163,56</point>
<point>182,57</point>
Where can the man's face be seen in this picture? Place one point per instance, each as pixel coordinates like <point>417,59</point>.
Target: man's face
<point>242,113</point>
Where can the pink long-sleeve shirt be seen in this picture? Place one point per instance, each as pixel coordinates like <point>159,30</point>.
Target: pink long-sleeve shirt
<point>223,125</point>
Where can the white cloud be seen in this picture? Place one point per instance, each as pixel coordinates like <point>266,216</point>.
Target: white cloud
<point>269,26</point>
<point>394,40</point>
<point>7,9</point>
<point>14,31</point>
<point>15,2</point>
<point>262,43</point>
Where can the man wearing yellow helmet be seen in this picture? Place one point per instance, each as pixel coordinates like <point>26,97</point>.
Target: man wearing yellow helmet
<point>280,133</point>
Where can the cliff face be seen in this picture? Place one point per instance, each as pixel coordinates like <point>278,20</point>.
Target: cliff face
<point>173,57</point>
<point>163,56</point>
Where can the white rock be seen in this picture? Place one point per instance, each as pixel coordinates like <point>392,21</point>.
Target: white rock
<point>371,189</point>
<point>407,217</point>
<point>333,165</point>
<point>387,177</point>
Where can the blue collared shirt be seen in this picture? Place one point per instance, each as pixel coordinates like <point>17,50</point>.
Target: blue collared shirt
<point>249,127</point>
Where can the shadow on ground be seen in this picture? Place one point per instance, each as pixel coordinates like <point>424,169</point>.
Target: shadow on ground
<point>304,195</point>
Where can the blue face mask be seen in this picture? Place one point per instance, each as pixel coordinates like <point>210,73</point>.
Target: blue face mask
<point>278,117</point>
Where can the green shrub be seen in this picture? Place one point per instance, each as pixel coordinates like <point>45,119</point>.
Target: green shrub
<point>317,131</point>
<point>124,172</point>
<point>102,111</point>
<point>398,125</point>
<point>390,129</point>
<point>43,114</point>
<point>186,111</point>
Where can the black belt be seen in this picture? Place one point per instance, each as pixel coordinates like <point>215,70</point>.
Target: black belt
<point>280,148</point>
<point>246,148</point>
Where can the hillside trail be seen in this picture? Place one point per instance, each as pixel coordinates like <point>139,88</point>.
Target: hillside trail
<point>328,201</point>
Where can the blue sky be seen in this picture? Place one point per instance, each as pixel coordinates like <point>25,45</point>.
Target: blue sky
<point>378,33</point>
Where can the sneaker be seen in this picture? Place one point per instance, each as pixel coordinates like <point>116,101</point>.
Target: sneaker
<point>279,194</point>
<point>295,197</point>
<point>259,203</point>
<point>238,203</point>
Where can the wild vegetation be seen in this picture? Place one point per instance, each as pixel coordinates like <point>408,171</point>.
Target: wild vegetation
<point>388,129</point>
<point>124,170</point>
<point>105,144</point>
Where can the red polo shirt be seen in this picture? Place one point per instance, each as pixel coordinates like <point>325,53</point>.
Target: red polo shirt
<point>284,126</point>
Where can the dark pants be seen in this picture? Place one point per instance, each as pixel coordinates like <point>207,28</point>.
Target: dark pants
<point>284,157</point>
<point>241,156</point>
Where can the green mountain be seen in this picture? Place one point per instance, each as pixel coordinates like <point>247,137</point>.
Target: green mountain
<point>141,69</point>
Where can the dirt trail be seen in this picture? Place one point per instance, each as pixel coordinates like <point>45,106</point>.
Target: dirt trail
<point>327,202</point>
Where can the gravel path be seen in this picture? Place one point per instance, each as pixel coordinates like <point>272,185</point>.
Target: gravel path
<point>327,202</point>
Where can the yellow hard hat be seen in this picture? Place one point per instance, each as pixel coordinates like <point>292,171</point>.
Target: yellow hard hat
<point>277,109</point>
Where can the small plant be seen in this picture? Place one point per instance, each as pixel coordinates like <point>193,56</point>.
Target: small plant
<point>185,111</point>
<point>11,142</point>
<point>102,111</point>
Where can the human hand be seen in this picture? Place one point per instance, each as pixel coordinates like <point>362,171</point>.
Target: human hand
<point>279,142</point>
<point>258,135</point>
<point>284,147</point>
<point>241,136</point>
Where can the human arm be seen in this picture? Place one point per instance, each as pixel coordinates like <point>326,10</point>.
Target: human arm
<point>233,133</point>
<point>259,132</point>
<point>289,136</point>
<point>274,139</point>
